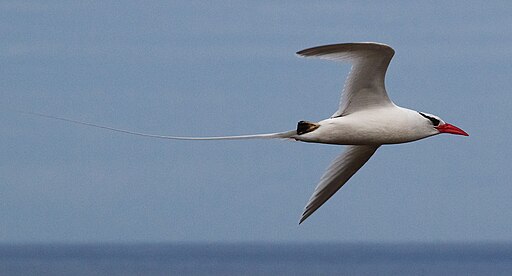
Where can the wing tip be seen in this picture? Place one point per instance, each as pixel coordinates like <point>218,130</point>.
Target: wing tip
<point>302,219</point>
<point>305,215</point>
<point>340,47</point>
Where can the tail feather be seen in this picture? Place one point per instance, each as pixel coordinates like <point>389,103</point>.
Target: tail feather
<point>277,135</point>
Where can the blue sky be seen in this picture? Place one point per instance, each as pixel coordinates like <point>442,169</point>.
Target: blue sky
<point>197,68</point>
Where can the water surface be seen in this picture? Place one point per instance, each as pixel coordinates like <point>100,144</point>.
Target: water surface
<point>256,259</point>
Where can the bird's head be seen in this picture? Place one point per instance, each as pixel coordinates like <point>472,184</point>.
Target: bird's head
<point>441,126</point>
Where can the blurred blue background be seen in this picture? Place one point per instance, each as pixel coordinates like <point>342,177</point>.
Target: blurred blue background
<point>203,68</point>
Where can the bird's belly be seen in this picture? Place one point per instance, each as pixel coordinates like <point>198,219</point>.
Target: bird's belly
<point>358,134</point>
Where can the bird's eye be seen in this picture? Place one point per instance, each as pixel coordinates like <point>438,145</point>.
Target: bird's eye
<point>434,121</point>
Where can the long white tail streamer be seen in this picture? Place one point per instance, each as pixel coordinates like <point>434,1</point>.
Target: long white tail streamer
<point>277,135</point>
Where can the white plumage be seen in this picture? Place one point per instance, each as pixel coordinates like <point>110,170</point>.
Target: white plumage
<point>365,120</point>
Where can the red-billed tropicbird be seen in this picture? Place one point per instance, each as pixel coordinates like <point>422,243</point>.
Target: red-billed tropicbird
<point>365,120</point>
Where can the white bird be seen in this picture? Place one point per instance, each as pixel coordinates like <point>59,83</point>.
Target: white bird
<point>365,120</point>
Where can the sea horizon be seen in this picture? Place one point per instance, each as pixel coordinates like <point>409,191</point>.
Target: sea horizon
<point>257,258</point>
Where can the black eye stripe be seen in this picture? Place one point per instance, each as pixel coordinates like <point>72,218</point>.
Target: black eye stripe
<point>434,121</point>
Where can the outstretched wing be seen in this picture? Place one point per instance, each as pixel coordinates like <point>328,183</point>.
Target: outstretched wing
<point>364,87</point>
<point>338,173</point>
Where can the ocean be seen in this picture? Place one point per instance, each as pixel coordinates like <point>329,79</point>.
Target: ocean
<point>256,259</point>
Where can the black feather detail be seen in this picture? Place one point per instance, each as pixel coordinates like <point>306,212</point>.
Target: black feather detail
<point>434,121</point>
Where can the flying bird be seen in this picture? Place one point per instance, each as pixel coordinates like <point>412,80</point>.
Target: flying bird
<point>365,120</point>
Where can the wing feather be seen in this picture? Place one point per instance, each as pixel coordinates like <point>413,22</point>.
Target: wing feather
<point>364,87</point>
<point>338,173</point>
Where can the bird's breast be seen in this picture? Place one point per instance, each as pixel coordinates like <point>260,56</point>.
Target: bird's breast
<point>366,129</point>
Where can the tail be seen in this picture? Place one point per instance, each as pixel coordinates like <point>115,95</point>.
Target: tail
<point>277,135</point>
